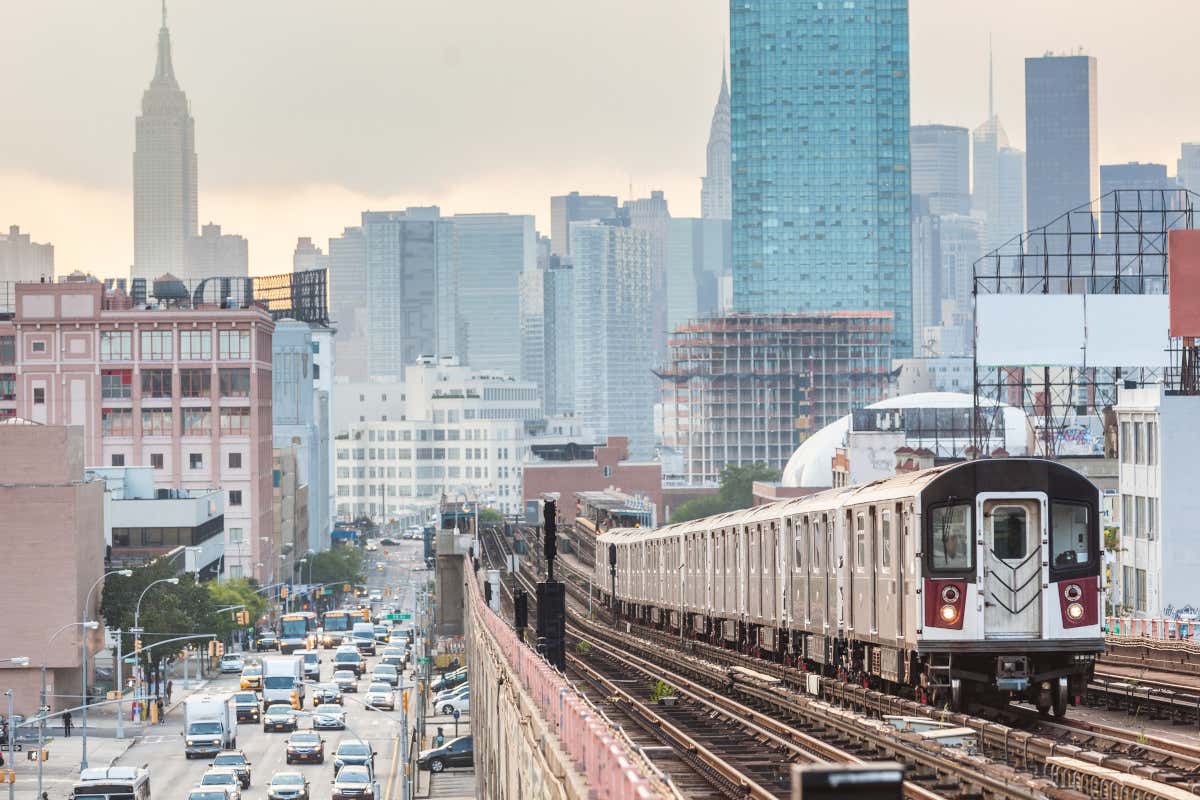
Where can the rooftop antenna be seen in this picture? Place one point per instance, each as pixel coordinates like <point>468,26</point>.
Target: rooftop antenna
<point>164,13</point>
<point>991,112</point>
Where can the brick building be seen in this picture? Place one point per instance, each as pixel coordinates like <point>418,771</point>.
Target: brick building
<point>182,387</point>
<point>610,469</point>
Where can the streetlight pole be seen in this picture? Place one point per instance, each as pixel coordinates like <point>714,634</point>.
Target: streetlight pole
<point>44,708</point>
<point>137,631</point>
<point>87,603</point>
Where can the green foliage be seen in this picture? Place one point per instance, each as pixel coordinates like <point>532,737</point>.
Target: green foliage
<point>583,648</point>
<point>234,592</point>
<point>737,491</point>
<point>490,517</point>
<point>342,564</point>
<point>167,611</point>
<point>661,689</point>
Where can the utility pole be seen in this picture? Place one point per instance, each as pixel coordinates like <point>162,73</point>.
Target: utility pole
<point>12,761</point>
<point>120,690</point>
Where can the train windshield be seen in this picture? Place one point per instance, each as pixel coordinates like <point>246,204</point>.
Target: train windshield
<point>1068,534</point>
<point>950,539</point>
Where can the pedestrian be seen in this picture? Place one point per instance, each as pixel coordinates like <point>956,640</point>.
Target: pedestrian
<point>169,687</point>
<point>45,796</point>
<point>158,704</point>
<point>67,725</point>
<point>440,739</point>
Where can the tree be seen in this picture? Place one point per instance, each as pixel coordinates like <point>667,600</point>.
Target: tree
<point>342,564</point>
<point>167,611</point>
<point>234,592</point>
<point>699,507</point>
<point>490,517</point>
<point>737,491</point>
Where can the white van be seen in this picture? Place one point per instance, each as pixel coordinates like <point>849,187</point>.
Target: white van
<point>364,637</point>
<point>283,681</point>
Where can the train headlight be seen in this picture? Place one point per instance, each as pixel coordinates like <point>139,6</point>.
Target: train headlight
<point>1075,611</point>
<point>950,594</point>
<point>949,613</point>
<point>1073,593</point>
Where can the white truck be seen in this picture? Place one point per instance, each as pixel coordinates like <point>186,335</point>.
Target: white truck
<point>283,681</point>
<point>209,724</point>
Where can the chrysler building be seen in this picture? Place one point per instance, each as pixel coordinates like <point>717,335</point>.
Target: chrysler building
<point>716,191</point>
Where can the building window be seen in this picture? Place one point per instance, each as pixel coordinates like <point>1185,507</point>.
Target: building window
<point>39,346</point>
<point>1141,589</point>
<point>156,383</point>
<point>116,384</point>
<point>39,395</point>
<point>233,345</point>
<point>1151,443</point>
<point>1126,445</point>
<point>316,372</point>
<point>235,570</point>
<point>195,383</point>
<point>276,477</point>
<point>156,460</point>
<point>235,383</point>
<point>1128,586</point>
<point>1140,504</point>
<point>235,460</point>
<point>1151,515</point>
<point>8,387</point>
<point>195,345</point>
<point>116,345</point>
<point>118,459</point>
<point>196,460</point>
<point>197,421</point>
<point>235,497</point>
<point>158,422</point>
<point>235,535</point>
<point>1139,443</point>
<point>115,421</point>
<point>8,350</point>
<point>235,421</point>
<point>156,346</point>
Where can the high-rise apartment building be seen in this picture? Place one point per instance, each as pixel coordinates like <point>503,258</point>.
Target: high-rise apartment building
<point>1187,168</point>
<point>716,187</point>
<point>821,196</point>
<point>1010,194</point>
<point>213,254</point>
<point>651,214</point>
<point>558,298</point>
<point>1062,160</point>
<point>22,259</point>
<point>348,301</point>
<point>186,391</point>
<point>698,255</point>
<point>164,172</point>
<point>574,207</point>
<point>613,319</point>
<point>941,156</point>
<point>493,251</point>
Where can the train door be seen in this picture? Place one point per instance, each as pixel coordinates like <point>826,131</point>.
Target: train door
<point>1012,576</point>
<point>770,555</point>
<point>873,571</point>
<point>829,567</point>
<point>754,544</point>
<point>799,565</point>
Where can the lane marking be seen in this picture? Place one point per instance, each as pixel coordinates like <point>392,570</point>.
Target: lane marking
<point>392,778</point>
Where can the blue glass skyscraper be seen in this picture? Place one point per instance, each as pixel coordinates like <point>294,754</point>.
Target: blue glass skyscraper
<point>820,116</point>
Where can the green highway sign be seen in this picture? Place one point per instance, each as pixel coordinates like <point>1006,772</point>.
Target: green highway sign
<point>422,660</point>
<point>395,617</point>
<point>405,616</point>
<point>327,590</point>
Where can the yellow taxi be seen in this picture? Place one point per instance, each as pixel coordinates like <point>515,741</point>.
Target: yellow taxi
<point>252,677</point>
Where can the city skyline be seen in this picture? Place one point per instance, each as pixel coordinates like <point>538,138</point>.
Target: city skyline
<point>272,191</point>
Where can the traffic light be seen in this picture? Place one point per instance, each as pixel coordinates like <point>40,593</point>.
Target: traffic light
<point>404,700</point>
<point>220,649</point>
<point>283,592</point>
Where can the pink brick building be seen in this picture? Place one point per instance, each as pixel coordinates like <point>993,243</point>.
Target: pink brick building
<point>610,468</point>
<point>185,390</point>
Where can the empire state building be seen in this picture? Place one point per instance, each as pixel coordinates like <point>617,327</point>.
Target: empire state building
<point>164,172</point>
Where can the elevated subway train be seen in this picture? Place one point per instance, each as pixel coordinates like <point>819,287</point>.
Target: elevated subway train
<point>977,580</point>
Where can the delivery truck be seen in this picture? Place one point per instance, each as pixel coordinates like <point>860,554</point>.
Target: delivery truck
<point>209,724</point>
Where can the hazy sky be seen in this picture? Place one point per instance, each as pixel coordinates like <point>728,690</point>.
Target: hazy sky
<point>308,112</point>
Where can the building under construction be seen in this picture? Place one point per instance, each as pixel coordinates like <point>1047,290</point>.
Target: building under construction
<point>748,388</point>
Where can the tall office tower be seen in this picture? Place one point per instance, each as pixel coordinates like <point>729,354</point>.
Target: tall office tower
<point>22,259</point>
<point>531,319</point>
<point>821,190</point>
<point>558,294</point>
<point>698,255</point>
<point>926,281</point>
<point>614,387</point>
<point>1187,168</point>
<point>960,244</point>
<point>574,207</point>
<point>1061,164</point>
<point>308,256</point>
<point>651,214</point>
<point>941,156</point>
<point>164,172</point>
<point>348,301</point>
<point>1009,218</point>
<point>410,288</point>
<point>716,187</point>
<point>213,254</point>
<point>1158,189</point>
<point>494,250</point>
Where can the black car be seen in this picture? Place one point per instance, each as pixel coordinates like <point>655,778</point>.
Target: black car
<point>349,659</point>
<point>459,752</point>
<point>305,746</point>
<point>353,782</point>
<point>247,707</point>
<point>279,718</point>
<point>353,752</point>
<point>266,641</point>
<point>288,786</point>
<point>449,680</point>
<point>236,761</point>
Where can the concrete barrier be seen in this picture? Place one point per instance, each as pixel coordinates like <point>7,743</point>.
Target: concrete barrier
<point>534,735</point>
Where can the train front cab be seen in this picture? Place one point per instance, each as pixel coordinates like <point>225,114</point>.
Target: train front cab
<point>1011,591</point>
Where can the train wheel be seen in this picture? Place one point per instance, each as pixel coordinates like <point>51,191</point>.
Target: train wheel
<point>958,695</point>
<point>1061,698</point>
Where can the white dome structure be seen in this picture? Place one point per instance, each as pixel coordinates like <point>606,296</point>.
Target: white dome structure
<point>811,465</point>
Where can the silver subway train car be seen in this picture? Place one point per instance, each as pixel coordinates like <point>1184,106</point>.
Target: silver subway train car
<point>977,581</point>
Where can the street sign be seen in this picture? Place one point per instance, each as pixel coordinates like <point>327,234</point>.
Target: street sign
<point>327,590</point>
<point>423,660</point>
<point>457,714</point>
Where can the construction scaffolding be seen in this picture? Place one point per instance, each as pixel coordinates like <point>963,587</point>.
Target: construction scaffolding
<point>1115,245</point>
<point>748,388</point>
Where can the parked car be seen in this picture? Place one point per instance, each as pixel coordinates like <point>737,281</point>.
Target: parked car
<point>381,695</point>
<point>449,680</point>
<point>450,694</point>
<point>305,746</point>
<point>346,680</point>
<point>458,752</point>
<point>353,783</point>
<point>279,718</point>
<point>461,704</point>
<point>232,662</point>
<point>388,541</point>
<point>288,786</point>
<point>235,760</point>
<point>324,693</point>
<point>386,673</point>
<point>329,717</point>
<point>247,707</point>
<point>222,776</point>
<point>252,676</point>
<point>353,752</point>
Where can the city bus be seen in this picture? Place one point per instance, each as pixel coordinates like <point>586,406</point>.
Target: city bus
<point>336,627</point>
<point>112,783</point>
<point>297,631</point>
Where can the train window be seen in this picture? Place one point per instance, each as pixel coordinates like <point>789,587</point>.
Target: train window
<point>860,537</point>
<point>817,536</point>
<point>1068,534</point>
<point>949,546</point>
<point>801,534</point>
<point>1009,540</point>
<point>885,540</point>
